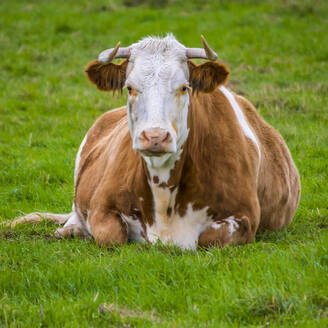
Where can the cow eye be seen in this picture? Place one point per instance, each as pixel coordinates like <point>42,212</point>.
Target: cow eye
<point>183,89</point>
<point>130,89</point>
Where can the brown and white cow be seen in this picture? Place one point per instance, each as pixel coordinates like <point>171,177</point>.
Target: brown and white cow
<point>186,162</point>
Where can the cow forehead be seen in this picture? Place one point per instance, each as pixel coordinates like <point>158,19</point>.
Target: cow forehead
<point>161,47</point>
<point>144,73</point>
<point>156,61</point>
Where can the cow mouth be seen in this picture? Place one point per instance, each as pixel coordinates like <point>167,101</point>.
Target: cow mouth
<point>153,153</point>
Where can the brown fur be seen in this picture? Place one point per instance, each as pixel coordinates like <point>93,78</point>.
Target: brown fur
<point>221,237</point>
<point>218,168</point>
<point>107,77</point>
<point>208,76</point>
<point>109,229</point>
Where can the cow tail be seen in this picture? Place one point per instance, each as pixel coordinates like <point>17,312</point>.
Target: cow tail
<point>38,217</point>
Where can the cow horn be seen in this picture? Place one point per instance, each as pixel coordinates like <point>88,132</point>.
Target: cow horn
<point>206,52</point>
<point>108,55</point>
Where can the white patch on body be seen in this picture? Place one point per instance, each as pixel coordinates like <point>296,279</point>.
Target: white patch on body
<point>87,224</point>
<point>241,117</point>
<point>73,220</point>
<point>173,229</point>
<point>78,158</point>
<point>77,219</point>
<point>134,228</point>
<point>216,225</point>
<point>181,231</point>
<point>163,174</point>
<point>232,224</point>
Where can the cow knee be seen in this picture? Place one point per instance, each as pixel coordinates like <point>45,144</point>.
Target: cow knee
<point>229,231</point>
<point>110,231</point>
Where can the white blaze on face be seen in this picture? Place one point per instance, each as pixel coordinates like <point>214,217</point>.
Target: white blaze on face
<point>157,73</point>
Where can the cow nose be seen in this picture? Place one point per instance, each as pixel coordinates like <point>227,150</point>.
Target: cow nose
<point>155,140</point>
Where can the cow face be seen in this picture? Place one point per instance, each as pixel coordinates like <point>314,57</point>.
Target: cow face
<point>159,79</point>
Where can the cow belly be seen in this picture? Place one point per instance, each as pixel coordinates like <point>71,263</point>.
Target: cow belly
<point>180,231</point>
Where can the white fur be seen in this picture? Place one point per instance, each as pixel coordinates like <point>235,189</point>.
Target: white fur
<point>176,230</point>
<point>87,224</point>
<point>73,220</point>
<point>241,117</point>
<point>134,228</point>
<point>181,231</point>
<point>78,158</point>
<point>157,70</point>
<point>163,173</point>
<point>77,220</point>
<point>216,225</point>
<point>233,225</point>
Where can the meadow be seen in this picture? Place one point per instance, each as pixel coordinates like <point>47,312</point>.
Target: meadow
<point>277,52</point>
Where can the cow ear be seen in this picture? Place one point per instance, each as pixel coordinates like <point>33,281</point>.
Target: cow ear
<point>107,77</point>
<point>208,76</point>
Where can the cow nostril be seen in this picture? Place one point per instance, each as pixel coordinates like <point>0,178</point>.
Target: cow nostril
<point>167,137</point>
<point>156,139</point>
<point>144,136</point>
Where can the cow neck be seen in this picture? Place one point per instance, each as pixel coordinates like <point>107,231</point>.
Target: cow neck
<point>200,149</point>
<point>207,131</point>
<point>167,176</point>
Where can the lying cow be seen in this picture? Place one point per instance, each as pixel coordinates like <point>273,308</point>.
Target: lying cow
<point>186,162</point>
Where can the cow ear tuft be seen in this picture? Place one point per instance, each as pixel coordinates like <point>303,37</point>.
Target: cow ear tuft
<point>208,76</point>
<point>107,77</point>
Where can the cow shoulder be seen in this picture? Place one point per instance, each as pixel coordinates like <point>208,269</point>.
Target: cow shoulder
<point>102,128</point>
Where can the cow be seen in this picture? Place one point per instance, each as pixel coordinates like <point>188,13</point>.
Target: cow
<point>186,162</point>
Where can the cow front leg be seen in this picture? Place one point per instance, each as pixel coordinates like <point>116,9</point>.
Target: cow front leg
<point>229,231</point>
<point>72,228</point>
<point>108,229</point>
<point>71,231</point>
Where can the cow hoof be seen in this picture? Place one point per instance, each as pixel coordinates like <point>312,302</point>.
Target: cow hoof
<point>70,232</point>
<point>63,233</point>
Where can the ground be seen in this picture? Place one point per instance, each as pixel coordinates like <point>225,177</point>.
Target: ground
<point>278,55</point>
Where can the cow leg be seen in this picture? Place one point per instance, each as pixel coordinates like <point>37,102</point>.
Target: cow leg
<point>72,231</point>
<point>229,231</point>
<point>72,228</point>
<point>108,229</point>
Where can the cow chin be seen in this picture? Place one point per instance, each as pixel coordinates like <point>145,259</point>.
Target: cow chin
<point>150,153</point>
<point>157,161</point>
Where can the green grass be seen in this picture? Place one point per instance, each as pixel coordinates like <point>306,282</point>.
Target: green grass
<point>278,56</point>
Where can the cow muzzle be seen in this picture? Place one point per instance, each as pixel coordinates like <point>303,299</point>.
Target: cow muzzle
<point>155,142</point>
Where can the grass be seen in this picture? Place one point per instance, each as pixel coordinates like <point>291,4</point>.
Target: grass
<point>278,55</point>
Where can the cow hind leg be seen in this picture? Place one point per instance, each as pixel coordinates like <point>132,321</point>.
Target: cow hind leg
<point>37,217</point>
<point>229,231</point>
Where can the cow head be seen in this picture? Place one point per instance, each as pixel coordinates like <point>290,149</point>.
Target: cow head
<point>159,77</point>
